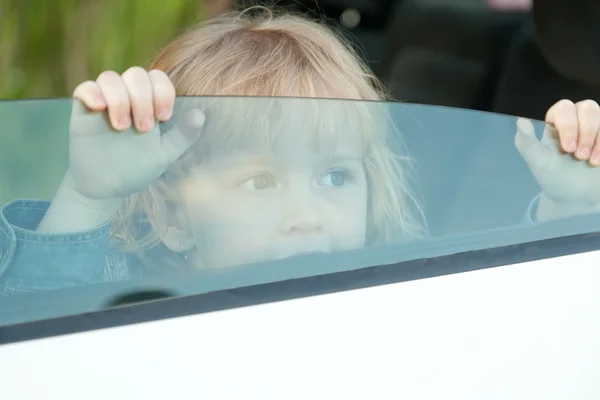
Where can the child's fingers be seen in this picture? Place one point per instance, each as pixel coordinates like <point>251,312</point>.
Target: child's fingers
<point>563,116</point>
<point>90,95</point>
<point>595,157</point>
<point>549,136</point>
<point>139,89</point>
<point>528,144</point>
<point>117,99</point>
<point>183,134</point>
<point>588,116</point>
<point>550,139</point>
<point>525,138</point>
<point>163,94</point>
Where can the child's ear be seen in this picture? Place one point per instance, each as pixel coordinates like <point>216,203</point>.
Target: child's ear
<point>178,240</point>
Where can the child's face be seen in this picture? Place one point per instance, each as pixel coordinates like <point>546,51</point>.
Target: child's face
<point>261,204</point>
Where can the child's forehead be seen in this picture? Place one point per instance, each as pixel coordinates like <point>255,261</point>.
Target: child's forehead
<point>322,124</point>
<point>286,151</point>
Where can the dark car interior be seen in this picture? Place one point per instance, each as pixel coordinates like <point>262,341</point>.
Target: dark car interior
<point>465,53</point>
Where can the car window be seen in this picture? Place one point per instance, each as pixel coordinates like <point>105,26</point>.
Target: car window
<point>269,190</point>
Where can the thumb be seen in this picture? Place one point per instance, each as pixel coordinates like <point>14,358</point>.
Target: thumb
<point>85,121</point>
<point>527,143</point>
<point>183,134</point>
<point>79,109</point>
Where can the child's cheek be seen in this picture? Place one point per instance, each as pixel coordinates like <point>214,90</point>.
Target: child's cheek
<point>233,232</point>
<point>345,216</point>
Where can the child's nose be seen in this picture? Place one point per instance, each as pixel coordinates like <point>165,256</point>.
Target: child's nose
<point>302,216</point>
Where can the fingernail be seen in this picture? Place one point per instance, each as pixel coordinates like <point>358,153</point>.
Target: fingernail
<point>147,123</point>
<point>196,118</point>
<point>583,153</point>
<point>595,161</point>
<point>571,146</point>
<point>164,114</point>
<point>100,102</point>
<point>124,121</point>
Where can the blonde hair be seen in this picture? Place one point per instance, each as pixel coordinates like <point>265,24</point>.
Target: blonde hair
<point>279,54</point>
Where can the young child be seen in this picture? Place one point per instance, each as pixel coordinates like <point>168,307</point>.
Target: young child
<point>234,181</point>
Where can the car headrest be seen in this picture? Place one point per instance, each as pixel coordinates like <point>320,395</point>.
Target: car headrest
<point>568,34</point>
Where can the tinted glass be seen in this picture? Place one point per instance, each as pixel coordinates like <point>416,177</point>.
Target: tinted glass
<point>266,190</point>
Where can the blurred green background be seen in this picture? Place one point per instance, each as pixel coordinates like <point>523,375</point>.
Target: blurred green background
<point>48,47</point>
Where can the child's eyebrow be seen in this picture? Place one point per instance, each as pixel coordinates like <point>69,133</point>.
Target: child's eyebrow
<point>240,159</point>
<point>343,158</point>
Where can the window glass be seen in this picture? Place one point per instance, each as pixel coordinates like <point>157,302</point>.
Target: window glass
<point>264,190</point>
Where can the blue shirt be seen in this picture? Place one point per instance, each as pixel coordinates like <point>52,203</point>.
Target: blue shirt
<point>32,261</point>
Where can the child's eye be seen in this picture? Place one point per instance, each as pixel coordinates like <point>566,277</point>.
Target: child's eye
<point>259,182</point>
<point>334,178</point>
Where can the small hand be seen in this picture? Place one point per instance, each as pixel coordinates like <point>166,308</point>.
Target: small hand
<point>564,161</point>
<point>116,146</point>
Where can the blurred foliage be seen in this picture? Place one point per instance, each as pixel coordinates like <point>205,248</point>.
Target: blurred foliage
<point>48,47</point>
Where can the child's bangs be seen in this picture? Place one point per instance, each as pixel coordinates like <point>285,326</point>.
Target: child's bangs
<point>255,123</point>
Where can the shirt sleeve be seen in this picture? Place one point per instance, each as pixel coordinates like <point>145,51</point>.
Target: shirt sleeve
<point>32,261</point>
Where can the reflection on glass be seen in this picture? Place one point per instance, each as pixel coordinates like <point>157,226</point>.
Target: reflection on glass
<point>303,186</point>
